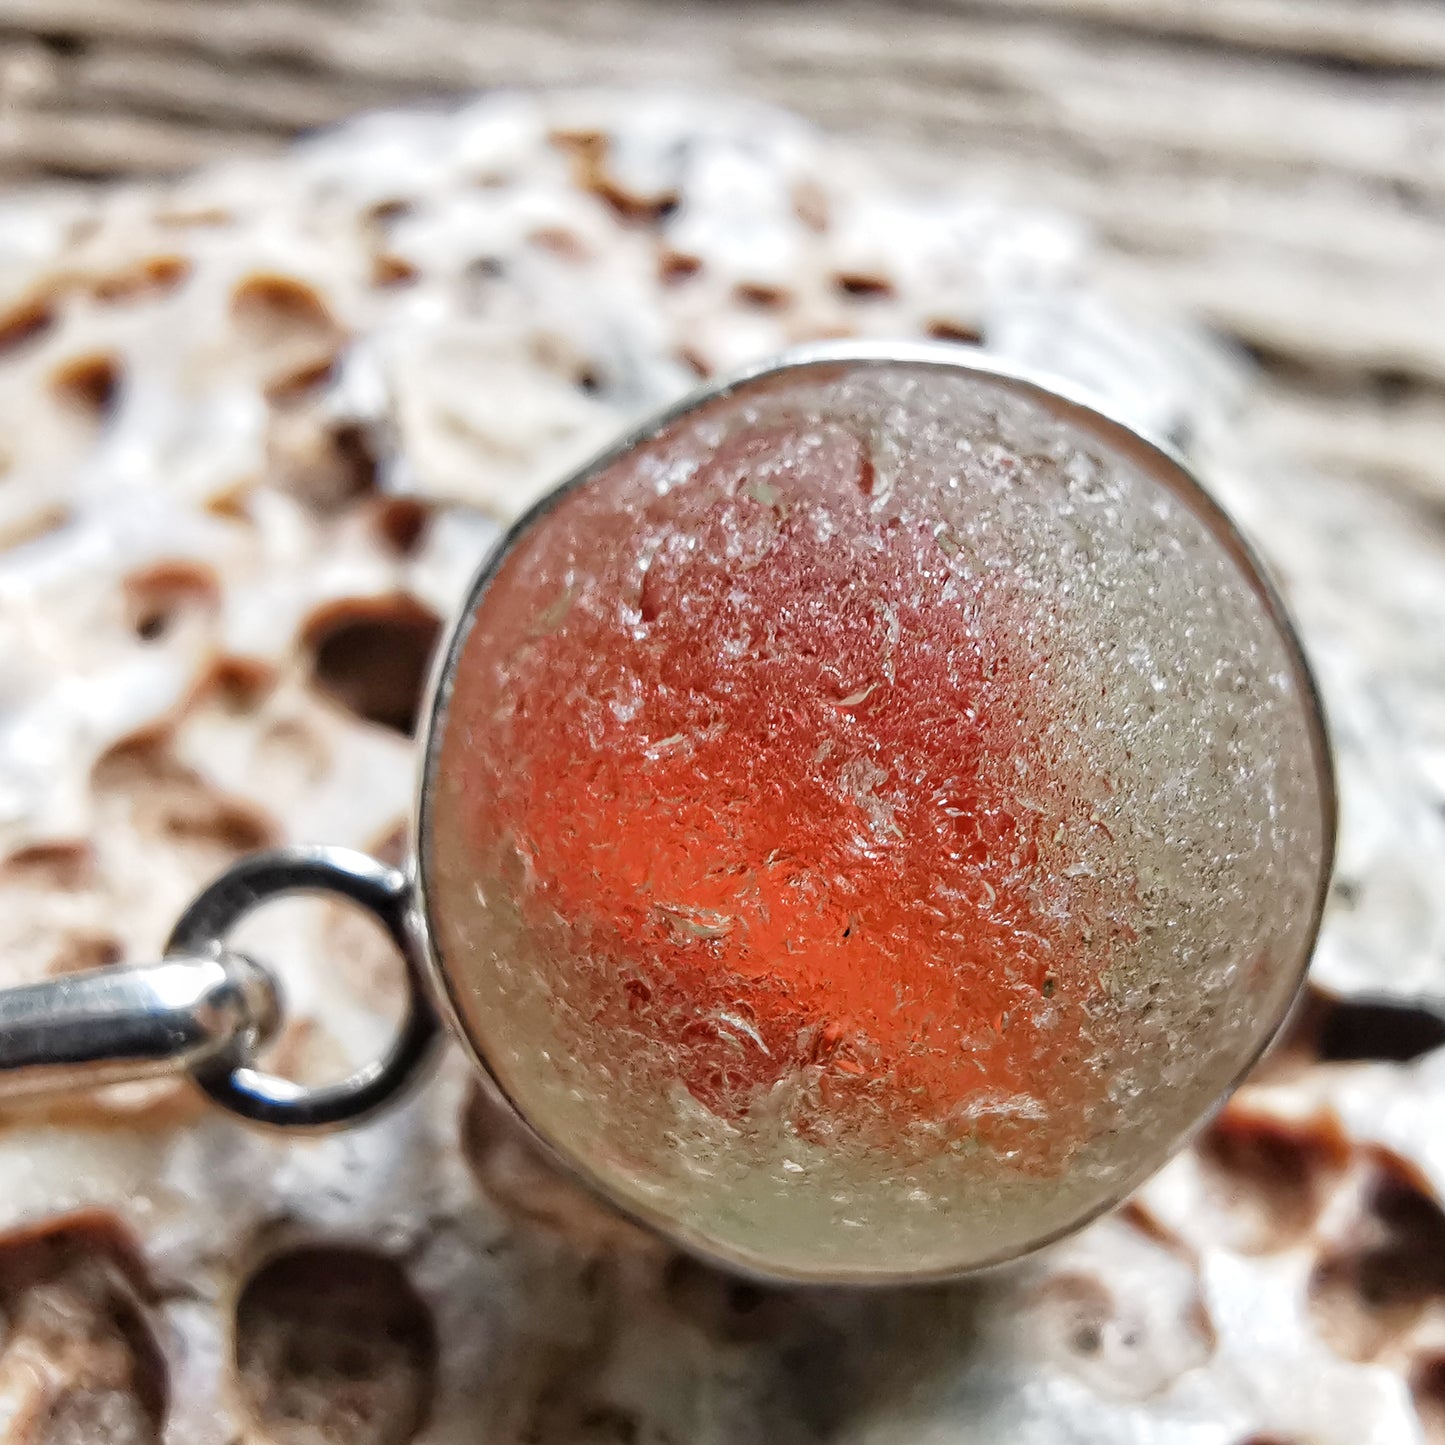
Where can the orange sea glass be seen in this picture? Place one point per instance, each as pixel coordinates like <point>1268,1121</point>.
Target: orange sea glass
<point>875,817</point>
<point>770,752</point>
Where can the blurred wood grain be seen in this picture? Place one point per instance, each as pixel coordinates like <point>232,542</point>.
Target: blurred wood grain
<point>1274,166</point>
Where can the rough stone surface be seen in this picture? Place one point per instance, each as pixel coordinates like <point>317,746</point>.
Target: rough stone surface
<point>259,425</point>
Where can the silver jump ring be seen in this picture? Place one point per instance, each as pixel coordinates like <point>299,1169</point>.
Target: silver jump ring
<point>386,894</point>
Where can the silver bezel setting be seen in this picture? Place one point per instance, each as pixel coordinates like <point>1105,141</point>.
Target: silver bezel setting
<point>1155,458</point>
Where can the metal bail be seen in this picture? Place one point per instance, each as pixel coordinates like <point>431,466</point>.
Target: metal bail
<point>209,1011</point>
<point>386,894</point>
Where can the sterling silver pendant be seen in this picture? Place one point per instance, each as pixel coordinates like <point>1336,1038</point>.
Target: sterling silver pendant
<point>868,819</point>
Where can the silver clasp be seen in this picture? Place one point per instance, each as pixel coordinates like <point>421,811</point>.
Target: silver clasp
<point>114,1024</point>
<point>208,1011</point>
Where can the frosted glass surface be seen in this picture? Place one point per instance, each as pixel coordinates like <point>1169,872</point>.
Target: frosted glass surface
<point>873,821</point>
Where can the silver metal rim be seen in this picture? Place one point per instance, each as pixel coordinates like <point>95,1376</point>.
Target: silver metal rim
<point>386,893</point>
<point>1067,401</point>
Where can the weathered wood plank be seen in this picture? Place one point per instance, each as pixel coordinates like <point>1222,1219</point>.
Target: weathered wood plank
<point>1396,443</point>
<point>1404,33</point>
<point>926,74</point>
<point>200,87</point>
<point>103,142</point>
<point>1276,166</point>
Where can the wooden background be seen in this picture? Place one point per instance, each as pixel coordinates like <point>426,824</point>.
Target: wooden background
<point>1275,166</point>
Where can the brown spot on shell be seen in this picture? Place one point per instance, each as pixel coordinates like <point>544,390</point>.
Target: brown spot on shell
<point>158,597</point>
<point>388,270</point>
<point>292,338</point>
<point>301,383</point>
<point>26,322</point>
<point>328,465</point>
<point>84,949</point>
<point>356,458</point>
<point>860,286</point>
<point>184,217</point>
<point>1427,1389</point>
<point>76,1299</point>
<point>41,522</point>
<point>159,795</point>
<point>154,276</point>
<point>675,266</point>
<point>760,296</point>
<point>236,684</point>
<point>695,362</point>
<point>589,152</point>
<point>1115,1340</point>
<point>334,1343</point>
<point>269,305</point>
<point>1092,1304</point>
<point>372,656</point>
<point>402,523</point>
<point>88,384</point>
<point>519,1178</point>
<point>957,331</point>
<point>560,242</point>
<point>1372,1286</point>
<point>392,846</point>
<point>571,139</point>
<point>1272,1175</point>
<point>810,205</point>
<point>385,212</point>
<point>231,503</point>
<point>64,866</point>
<point>1137,1215</point>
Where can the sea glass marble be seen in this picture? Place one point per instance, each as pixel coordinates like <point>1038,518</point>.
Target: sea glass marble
<point>873,819</point>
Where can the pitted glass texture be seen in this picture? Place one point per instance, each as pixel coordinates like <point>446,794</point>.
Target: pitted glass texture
<point>873,821</point>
